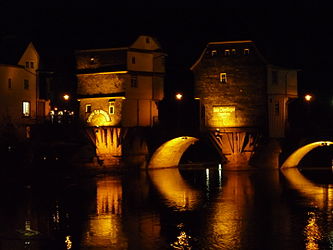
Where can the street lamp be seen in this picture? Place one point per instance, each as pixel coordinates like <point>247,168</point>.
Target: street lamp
<point>179,96</point>
<point>308,97</point>
<point>66,97</point>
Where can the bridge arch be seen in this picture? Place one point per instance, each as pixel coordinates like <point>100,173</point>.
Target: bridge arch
<point>169,153</point>
<point>293,160</point>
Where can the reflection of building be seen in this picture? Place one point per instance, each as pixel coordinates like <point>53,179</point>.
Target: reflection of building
<point>19,96</point>
<point>119,88</point>
<point>241,96</point>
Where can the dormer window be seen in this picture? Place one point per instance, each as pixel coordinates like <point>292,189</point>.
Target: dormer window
<point>214,52</point>
<point>32,65</point>
<point>147,40</point>
<point>227,52</point>
<point>27,65</point>
<point>246,51</point>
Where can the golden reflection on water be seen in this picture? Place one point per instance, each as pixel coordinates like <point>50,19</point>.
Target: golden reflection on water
<point>312,232</point>
<point>236,198</point>
<point>104,227</point>
<point>175,190</point>
<point>321,196</point>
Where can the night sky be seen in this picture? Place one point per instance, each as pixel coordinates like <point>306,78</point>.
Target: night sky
<point>300,38</point>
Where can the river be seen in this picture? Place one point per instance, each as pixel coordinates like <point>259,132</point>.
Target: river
<point>203,208</point>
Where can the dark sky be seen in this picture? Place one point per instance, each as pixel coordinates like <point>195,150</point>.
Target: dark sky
<point>298,38</point>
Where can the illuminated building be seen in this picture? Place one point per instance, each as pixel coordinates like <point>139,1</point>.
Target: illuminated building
<point>119,89</point>
<point>20,100</point>
<point>242,97</point>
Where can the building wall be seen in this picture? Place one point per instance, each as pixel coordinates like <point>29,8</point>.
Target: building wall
<point>241,101</point>
<point>100,109</point>
<point>92,84</point>
<point>12,98</point>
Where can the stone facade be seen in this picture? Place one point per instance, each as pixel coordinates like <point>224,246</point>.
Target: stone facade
<point>120,88</point>
<point>242,97</point>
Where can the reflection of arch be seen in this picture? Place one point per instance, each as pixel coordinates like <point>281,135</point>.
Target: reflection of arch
<point>169,154</point>
<point>175,190</point>
<point>321,195</point>
<point>293,160</point>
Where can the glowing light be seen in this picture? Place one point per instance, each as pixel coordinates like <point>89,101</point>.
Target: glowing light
<point>308,97</point>
<point>169,153</point>
<point>295,157</point>
<point>179,96</point>
<point>66,97</point>
<point>68,242</point>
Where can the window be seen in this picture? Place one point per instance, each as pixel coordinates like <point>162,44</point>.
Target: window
<point>214,52</point>
<point>223,77</point>
<point>32,65</point>
<point>26,84</point>
<point>111,108</point>
<point>88,108</point>
<point>274,77</point>
<point>227,52</point>
<point>134,81</point>
<point>27,64</point>
<point>92,60</point>
<point>147,40</point>
<point>9,83</point>
<point>133,59</point>
<point>277,108</point>
<point>26,109</point>
<point>246,51</point>
<point>233,51</point>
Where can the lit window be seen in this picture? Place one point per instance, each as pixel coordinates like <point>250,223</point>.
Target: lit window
<point>88,108</point>
<point>9,83</point>
<point>223,77</point>
<point>227,52</point>
<point>246,51</point>
<point>26,84</point>
<point>133,60</point>
<point>134,81</point>
<point>27,64</point>
<point>26,109</point>
<point>111,108</point>
<point>277,108</point>
<point>214,52</point>
<point>233,51</point>
<point>32,65</point>
<point>92,60</point>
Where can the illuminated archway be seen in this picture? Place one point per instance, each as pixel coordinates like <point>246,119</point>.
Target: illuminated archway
<point>293,160</point>
<point>169,154</point>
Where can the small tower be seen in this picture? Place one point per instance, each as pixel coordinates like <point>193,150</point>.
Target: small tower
<point>119,89</point>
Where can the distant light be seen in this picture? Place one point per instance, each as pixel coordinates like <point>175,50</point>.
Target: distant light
<point>308,97</point>
<point>179,96</point>
<point>66,97</point>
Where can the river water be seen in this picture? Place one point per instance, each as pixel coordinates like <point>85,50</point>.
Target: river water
<point>204,208</point>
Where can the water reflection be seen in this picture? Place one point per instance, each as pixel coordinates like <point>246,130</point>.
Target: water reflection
<point>104,226</point>
<point>320,195</point>
<point>178,194</point>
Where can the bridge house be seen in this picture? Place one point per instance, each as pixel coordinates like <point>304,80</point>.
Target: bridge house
<point>118,91</point>
<point>242,98</point>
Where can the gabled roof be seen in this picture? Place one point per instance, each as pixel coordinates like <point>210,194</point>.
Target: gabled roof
<point>215,44</point>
